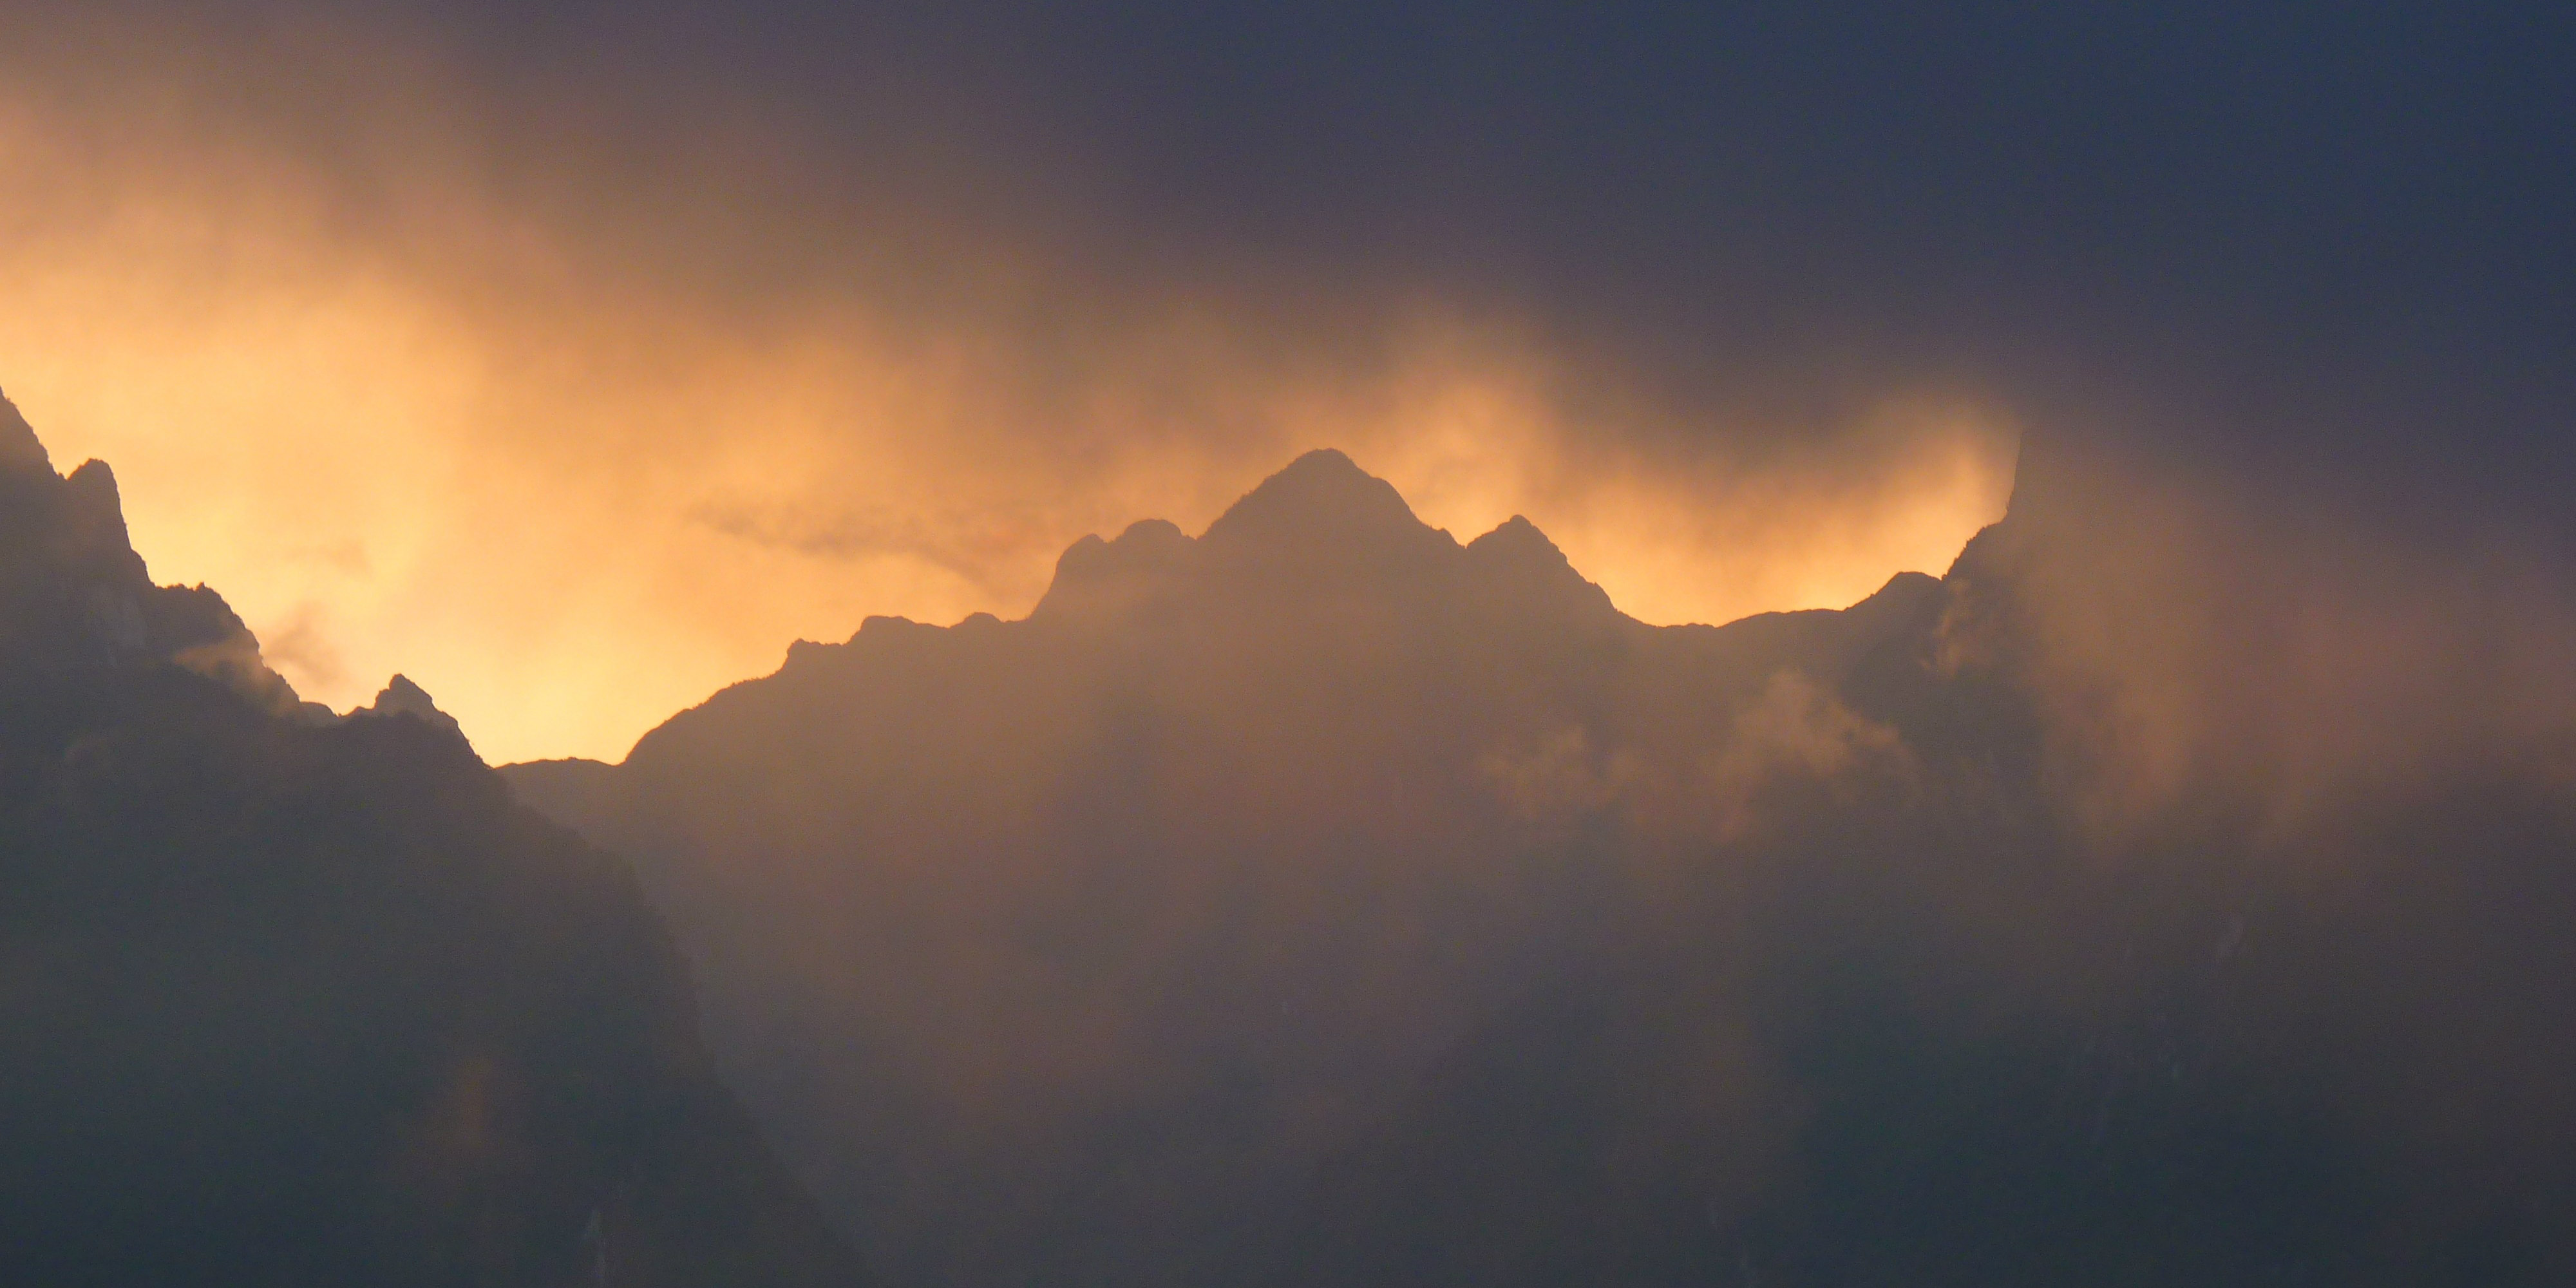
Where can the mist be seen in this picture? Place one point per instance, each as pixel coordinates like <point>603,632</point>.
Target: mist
<point>1372,862</point>
<point>1343,646</point>
<point>578,406</point>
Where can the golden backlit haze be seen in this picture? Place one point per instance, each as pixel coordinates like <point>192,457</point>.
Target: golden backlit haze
<point>434,428</point>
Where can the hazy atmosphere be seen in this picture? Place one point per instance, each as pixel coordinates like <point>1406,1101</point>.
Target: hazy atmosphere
<point>577,381</point>
<point>1332,644</point>
<point>574,364</point>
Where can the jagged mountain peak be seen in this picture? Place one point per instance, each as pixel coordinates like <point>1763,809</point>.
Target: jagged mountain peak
<point>1517,553</point>
<point>1148,545</point>
<point>20,450</point>
<point>1092,573</point>
<point>95,509</point>
<point>473,1047</point>
<point>76,598</point>
<point>1321,516</point>
<point>1520,538</point>
<point>1320,524</point>
<point>1322,501</point>
<point>401,697</point>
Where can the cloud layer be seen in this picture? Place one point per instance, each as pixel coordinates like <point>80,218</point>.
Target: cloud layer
<point>577,408</point>
<point>573,364</point>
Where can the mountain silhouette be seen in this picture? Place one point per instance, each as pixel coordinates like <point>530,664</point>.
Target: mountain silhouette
<point>295,999</point>
<point>1057,950</point>
<point>1322,901</point>
<point>1316,901</point>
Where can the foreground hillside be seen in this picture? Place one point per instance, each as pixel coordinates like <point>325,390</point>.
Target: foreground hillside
<point>1321,900</point>
<point>290,999</point>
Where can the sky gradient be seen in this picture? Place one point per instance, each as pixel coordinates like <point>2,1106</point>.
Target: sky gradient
<point>574,365</point>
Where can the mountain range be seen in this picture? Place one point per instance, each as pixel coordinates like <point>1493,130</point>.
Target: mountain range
<point>1320,900</point>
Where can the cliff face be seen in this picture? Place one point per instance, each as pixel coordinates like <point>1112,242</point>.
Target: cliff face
<point>1323,901</point>
<point>293,999</point>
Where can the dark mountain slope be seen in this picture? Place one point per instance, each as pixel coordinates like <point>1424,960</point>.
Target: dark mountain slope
<point>291,999</point>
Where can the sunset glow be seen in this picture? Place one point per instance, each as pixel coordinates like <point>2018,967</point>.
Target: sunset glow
<point>571,494</point>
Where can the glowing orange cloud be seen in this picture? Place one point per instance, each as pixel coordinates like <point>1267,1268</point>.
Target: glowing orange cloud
<point>432,427</point>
